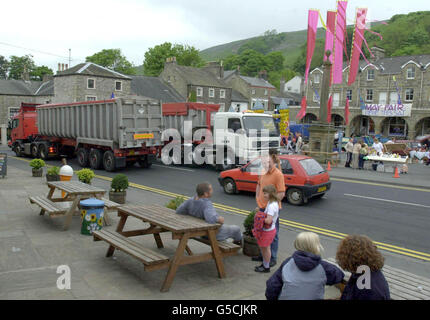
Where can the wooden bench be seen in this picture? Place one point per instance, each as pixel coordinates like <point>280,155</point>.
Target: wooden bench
<point>149,258</point>
<point>228,248</point>
<point>50,207</point>
<point>109,206</point>
<point>403,285</point>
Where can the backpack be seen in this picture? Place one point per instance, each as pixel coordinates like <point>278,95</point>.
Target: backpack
<point>259,218</point>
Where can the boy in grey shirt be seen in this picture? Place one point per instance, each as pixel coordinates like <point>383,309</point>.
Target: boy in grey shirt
<point>201,207</point>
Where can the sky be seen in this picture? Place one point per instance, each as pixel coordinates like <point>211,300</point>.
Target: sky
<point>47,29</point>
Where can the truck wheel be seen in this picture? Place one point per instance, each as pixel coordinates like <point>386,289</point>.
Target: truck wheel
<point>82,156</point>
<point>295,196</point>
<point>43,154</point>
<point>145,163</point>
<point>229,186</point>
<point>109,161</point>
<point>96,158</point>
<point>18,150</point>
<point>130,164</point>
<point>34,151</point>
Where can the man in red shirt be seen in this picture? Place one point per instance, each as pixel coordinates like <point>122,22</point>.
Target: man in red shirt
<point>273,176</point>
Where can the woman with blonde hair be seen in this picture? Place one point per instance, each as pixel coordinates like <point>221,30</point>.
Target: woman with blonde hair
<point>304,275</point>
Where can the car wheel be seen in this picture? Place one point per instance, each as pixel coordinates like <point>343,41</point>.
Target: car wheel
<point>42,152</point>
<point>96,157</point>
<point>229,186</point>
<point>34,151</point>
<point>109,161</point>
<point>295,196</point>
<point>83,157</point>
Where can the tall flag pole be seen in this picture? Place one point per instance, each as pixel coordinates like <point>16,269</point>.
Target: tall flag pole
<point>360,24</point>
<point>339,38</point>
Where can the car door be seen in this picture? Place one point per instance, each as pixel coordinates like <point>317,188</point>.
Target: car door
<point>288,171</point>
<point>250,174</point>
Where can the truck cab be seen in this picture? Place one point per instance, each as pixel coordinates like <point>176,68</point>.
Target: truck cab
<point>23,127</point>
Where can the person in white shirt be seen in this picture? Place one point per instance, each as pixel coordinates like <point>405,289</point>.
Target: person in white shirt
<point>349,148</point>
<point>378,146</point>
<point>299,143</point>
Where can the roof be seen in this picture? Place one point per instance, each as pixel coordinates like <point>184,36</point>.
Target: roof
<point>199,77</point>
<point>228,73</point>
<point>154,88</point>
<point>287,96</point>
<point>236,96</point>
<point>92,69</point>
<point>258,82</point>
<point>26,88</point>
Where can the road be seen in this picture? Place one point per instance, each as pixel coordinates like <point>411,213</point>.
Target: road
<point>392,216</point>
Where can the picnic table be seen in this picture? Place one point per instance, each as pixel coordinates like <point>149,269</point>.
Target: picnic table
<point>75,192</point>
<point>161,220</point>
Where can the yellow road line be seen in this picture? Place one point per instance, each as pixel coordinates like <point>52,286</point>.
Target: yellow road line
<point>380,184</point>
<point>297,225</point>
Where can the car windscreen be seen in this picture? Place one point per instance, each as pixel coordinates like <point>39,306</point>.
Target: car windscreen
<point>311,166</point>
<point>260,123</point>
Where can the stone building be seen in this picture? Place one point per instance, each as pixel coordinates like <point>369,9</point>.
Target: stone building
<point>207,82</point>
<point>253,88</point>
<point>379,84</point>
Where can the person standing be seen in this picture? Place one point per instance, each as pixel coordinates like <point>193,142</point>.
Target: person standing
<point>273,176</point>
<point>356,154</point>
<point>363,153</point>
<point>349,147</point>
<point>378,146</point>
<point>299,143</point>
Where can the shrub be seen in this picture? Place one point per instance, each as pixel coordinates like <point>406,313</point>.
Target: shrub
<point>85,175</point>
<point>53,171</point>
<point>37,163</point>
<point>175,203</point>
<point>119,183</point>
<point>249,223</point>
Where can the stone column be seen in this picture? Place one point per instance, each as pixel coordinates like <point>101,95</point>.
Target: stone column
<point>3,128</point>
<point>325,88</point>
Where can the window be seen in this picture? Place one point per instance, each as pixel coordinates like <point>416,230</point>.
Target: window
<point>336,98</point>
<point>349,95</point>
<point>266,92</point>
<point>91,84</point>
<point>255,166</point>
<point>311,167</point>
<point>383,98</point>
<point>316,98</point>
<point>91,98</point>
<point>394,98</point>
<point>409,94</point>
<point>286,167</point>
<point>410,73</point>
<point>118,85</point>
<point>222,93</point>
<point>211,93</point>
<point>199,92</point>
<point>13,112</point>
<point>317,78</point>
<point>370,74</point>
<point>369,95</point>
<point>222,106</point>
<point>234,124</point>
<point>253,91</point>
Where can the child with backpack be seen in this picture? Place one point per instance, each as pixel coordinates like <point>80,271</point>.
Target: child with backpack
<point>265,227</point>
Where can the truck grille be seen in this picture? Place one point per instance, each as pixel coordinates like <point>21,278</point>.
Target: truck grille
<point>265,144</point>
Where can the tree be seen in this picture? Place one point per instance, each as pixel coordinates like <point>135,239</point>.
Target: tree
<point>112,59</point>
<point>19,65</point>
<point>275,61</point>
<point>276,76</point>
<point>39,72</point>
<point>156,57</point>
<point>4,67</point>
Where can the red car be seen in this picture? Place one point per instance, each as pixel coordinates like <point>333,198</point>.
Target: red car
<point>304,178</point>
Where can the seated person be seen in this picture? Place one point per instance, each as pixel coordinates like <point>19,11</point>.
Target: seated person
<point>201,207</point>
<point>304,275</point>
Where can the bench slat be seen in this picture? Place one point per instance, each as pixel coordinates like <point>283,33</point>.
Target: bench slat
<point>110,204</point>
<point>147,256</point>
<point>224,246</point>
<point>51,207</point>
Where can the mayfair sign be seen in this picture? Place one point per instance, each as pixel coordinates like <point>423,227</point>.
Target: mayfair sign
<point>387,110</point>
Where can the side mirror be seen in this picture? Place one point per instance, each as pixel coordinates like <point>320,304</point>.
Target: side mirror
<point>242,169</point>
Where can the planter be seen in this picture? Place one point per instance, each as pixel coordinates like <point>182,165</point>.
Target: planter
<point>118,197</point>
<point>250,246</point>
<point>54,177</point>
<point>37,172</point>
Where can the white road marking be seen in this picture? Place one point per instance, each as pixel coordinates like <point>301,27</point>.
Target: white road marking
<point>386,200</point>
<point>174,168</point>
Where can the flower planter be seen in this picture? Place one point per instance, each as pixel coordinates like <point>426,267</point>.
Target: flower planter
<point>118,197</point>
<point>54,177</point>
<point>37,172</point>
<point>250,246</point>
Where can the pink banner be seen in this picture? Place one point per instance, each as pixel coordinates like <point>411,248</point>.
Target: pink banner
<point>329,106</point>
<point>312,34</point>
<point>360,25</point>
<point>329,35</point>
<point>347,111</point>
<point>339,38</point>
<point>302,111</point>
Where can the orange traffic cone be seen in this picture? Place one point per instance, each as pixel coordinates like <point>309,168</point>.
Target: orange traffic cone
<point>328,166</point>
<point>396,173</point>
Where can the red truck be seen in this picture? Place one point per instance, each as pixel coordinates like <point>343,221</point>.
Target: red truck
<point>110,133</point>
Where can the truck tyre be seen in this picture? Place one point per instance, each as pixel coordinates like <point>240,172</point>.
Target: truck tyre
<point>145,163</point>
<point>18,150</point>
<point>229,186</point>
<point>34,151</point>
<point>130,164</point>
<point>109,161</point>
<point>82,156</point>
<point>295,196</point>
<point>96,158</point>
<point>43,153</point>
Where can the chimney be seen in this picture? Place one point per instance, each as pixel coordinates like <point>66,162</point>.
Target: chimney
<point>47,77</point>
<point>282,85</point>
<point>25,74</point>
<point>59,67</point>
<point>67,66</point>
<point>237,71</point>
<point>215,68</point>
<point>379,53</point>
<point>263,75</point>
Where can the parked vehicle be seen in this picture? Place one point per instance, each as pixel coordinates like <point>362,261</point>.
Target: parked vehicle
<point>110,134</point>
<point>304,178</point>
<point>231,133</point>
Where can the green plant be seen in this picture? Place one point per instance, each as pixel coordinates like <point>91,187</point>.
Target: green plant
<point>53,171</point>
<point>249,223</point>
<point>85,175</point>
<point>175,203</point>
<point>119,183</point>
<point>37,163</point>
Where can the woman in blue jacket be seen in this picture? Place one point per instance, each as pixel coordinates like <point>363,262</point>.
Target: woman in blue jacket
<point>304,275</point>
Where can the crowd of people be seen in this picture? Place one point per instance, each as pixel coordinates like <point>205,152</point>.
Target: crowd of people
<point>294,143</point>
<point>304,275</point>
